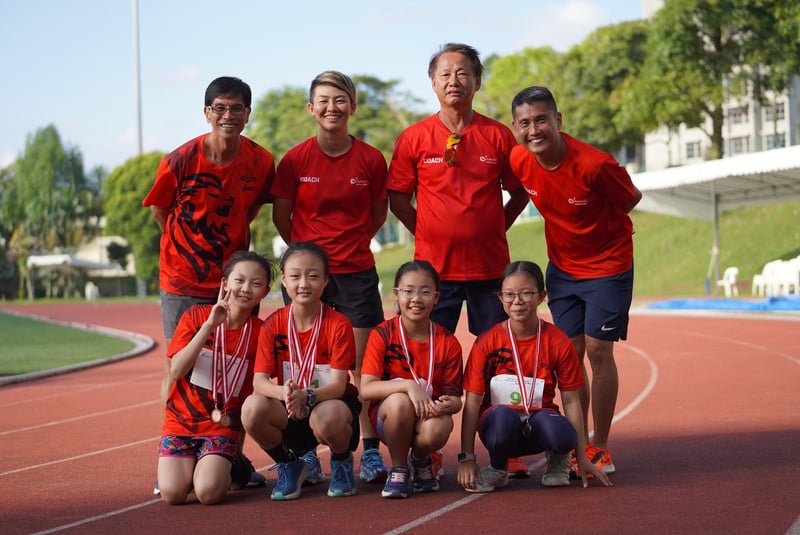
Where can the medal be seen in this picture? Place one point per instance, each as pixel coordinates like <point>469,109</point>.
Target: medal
<point>216,416</point>
<point>225,420</point>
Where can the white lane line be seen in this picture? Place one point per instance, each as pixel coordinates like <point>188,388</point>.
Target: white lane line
<point>82,456</point>
<point>651,383</point>
<point>98,517</point>
<point>77,418</point>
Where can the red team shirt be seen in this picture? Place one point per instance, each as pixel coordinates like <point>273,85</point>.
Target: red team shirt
<point>207,217</point>
<point>188,410</point>
<point>384,358</point>
<point>588,233</point>
<point>492,355</point>
<point>460,226</point>
<point>332,198</point>
<point>335,345</point>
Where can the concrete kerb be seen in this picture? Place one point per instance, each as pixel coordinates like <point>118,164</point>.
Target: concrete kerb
<point>141,344</point>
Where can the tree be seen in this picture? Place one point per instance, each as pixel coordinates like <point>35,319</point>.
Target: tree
<point>280,121</point>
<point>593,75</point>
<point>123,192</point>
<point>704,53</point>
<point>504,76</point>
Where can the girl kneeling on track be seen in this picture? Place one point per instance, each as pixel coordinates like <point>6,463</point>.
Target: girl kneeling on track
<point>510,379</point>
<point>412,373</point>
<point>202,426</point>
<point>302,394</point>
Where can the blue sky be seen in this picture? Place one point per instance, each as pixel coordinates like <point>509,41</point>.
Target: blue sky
<point>71,63</point>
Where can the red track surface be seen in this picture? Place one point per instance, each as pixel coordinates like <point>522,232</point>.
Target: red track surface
<point>706,441</point>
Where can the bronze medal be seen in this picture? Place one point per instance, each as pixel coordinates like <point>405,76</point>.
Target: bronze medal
<point>216,416</point>
<point>225,420</point>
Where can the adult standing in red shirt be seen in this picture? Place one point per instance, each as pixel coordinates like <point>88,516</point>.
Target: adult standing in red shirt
<point>584,196</point>
<point>331,190</point>
<point>455,163</point>
<point>205,195</point>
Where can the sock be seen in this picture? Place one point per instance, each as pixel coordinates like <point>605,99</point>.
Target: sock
<point>371,443</point>
<point>340,456</point>
<point>281,453</point>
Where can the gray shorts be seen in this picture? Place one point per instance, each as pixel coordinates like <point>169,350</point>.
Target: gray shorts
<point>173,306</point>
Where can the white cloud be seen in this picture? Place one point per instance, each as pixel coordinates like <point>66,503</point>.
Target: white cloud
<point>560,26</point>
<point>7,157</point>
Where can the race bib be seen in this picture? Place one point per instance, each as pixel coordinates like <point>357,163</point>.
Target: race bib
<point>201,374</point>
<point>504,390</point>
<point>321,377</point>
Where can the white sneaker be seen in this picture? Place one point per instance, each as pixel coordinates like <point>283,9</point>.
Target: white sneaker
<point>556,474</point>
<point>492,478</point>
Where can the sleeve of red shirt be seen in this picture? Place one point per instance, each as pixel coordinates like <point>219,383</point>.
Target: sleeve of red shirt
<point>285,184</point>
<point>452,378</point>
<point>402,169</point>
<point>162,193</point>
<point>374,354</point>
<point>265,353</point>
<point>614,183</point>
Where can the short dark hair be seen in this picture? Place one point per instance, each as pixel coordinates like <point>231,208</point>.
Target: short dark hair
<point>306,247</point>
<point>534,93</point>
<point>472,55</point>
<point>419,265</point>
<point>531,269</point>
<point>228,86</point>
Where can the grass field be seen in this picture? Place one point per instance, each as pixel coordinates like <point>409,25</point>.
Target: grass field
<point>31,345</point>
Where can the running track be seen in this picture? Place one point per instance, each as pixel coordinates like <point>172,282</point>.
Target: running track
<point>706,441</point>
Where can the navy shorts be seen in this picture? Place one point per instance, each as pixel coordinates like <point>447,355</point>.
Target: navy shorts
<point>484,309</point>
<point>355,295</point>
<point>596,307</point>
<point>300,438</point>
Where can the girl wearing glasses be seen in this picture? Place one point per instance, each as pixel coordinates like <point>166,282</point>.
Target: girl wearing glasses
<point>510,379</point>
<point>412,375</point>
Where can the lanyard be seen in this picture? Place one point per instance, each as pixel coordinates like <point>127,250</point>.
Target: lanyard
<point>520,378</point>
<point>302,363</point>
<point>406,354</point>
<point>221,367</point>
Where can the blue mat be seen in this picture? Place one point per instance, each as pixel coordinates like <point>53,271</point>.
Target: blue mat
<point>770,304</point>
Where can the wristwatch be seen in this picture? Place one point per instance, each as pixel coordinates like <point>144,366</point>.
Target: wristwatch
<point>312,398</point>
<point>465,457</point>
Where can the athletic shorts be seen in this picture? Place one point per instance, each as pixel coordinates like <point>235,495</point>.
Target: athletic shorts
<point>596,307</point>
<point>197,447</point>
<point>355,295</point>
<point>173,306</point>
<point>484,309</point>
<point>299,437</point>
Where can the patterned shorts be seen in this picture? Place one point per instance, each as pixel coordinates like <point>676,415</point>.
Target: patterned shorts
<point>197,447</point>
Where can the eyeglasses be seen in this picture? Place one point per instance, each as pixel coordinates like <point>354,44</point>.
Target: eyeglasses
<point>423,294</point>
<point>219,109</point>
<point>450,149</point>
<point>526,296</point>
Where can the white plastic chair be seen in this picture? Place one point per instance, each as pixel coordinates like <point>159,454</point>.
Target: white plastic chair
<point>764,283</point>
<point>728,281</point>
<point>787,277</point>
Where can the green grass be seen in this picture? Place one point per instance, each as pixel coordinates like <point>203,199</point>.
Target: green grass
<point>31,345</point>
<point>672,254</point>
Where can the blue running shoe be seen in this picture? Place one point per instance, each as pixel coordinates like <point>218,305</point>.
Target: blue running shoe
<point>396,483</point>
<point>424,478</point>
<point>372,467</point>
<point>290,479</point>
<point>315,474</point>
<point>343,481</point>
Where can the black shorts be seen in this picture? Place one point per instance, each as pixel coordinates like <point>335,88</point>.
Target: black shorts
<point>299,437</point>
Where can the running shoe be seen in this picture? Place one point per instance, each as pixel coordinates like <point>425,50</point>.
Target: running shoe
<point>556,473</point>
<point>372,467</point>
<point>573,465</point>
<point>290,478</point>
<point>601,458</point>
<point>244,475</point>
<point>424,478</point>
<point>343,481</point>
<point>438,464</point>
<point>491,478</point>
<point>517,468</point>
<point>315,473</point>
<point>396,483</point>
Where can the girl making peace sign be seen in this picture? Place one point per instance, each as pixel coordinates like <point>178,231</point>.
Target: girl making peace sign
<point>211,368</point>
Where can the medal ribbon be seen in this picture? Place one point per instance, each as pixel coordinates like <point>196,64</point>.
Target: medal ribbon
<point>408,358</point>
<point>302,364</point>
<point>520,378</point>
<point>237,362</point>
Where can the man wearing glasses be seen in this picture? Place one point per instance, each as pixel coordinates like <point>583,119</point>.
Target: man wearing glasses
<point>205,195</point>
<point>456,164</point>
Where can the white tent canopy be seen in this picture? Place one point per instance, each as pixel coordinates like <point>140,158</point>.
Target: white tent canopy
<point>55,260</point>
<point>704,190</point>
